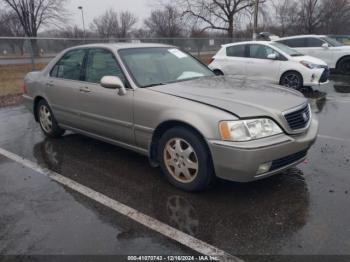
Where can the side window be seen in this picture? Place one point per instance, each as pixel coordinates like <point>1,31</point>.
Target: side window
<point>296,42</point>
<point>101,63</point>
<point>236,51</point>
<point>314,42</point>
<point>261,51</point>
<point>70,66</point>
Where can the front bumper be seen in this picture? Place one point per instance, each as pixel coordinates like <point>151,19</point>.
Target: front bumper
<point>240,162</point>
<point>315,77</point>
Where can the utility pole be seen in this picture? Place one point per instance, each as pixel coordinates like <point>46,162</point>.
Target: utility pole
<point>256,16</point>
<point>82,15</point>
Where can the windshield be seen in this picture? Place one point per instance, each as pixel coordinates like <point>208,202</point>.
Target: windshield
<point>286,49</point>
<point>331,41</point>
<point>161,65</point>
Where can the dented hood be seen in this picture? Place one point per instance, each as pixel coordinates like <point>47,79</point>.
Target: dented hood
<point>242,96</point>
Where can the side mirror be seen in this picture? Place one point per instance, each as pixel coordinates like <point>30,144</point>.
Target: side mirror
<point>325,46</point>
<point>272,56</point>
<point>113,82</point>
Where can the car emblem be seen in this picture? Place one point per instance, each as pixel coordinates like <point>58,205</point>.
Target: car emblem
<point>305,117</point>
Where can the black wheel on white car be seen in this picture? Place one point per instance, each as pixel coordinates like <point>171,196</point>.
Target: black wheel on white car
<point>185,159</point>
<point>292,79</point>
<point>343,66</point>
<point>47,120</point>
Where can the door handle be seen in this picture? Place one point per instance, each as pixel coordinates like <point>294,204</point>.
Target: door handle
<point>85,90</point>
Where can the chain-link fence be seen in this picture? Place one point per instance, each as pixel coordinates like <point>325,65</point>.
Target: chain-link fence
<point>41,50</point>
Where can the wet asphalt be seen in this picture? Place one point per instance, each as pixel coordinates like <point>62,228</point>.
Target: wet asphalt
<point>304,211</point>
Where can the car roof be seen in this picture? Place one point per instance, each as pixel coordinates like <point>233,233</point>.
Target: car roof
<point>299,36</point>
<point>247,42</point>
<point>118,46</point>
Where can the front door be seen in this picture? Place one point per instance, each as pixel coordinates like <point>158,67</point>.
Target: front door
<point>258,64</point>
<point>103,111</point>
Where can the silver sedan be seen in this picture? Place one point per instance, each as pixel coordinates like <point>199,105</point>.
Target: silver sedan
<point>159,101</point>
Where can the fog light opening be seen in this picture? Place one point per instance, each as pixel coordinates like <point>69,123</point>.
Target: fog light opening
<point>264,168</point>
<point>313,77</point>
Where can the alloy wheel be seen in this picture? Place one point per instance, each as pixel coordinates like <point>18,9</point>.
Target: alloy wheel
<point>181,160</point>
<point>45,118</point>
<point>291,81</point>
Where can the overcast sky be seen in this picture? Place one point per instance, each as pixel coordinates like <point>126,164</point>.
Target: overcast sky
<point>94,8</point>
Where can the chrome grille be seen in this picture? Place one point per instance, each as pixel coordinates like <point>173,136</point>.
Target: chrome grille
<point>299,119</point>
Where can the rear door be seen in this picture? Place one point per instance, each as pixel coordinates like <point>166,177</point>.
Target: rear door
<point>260,66</point>
<point>103,111</point>
<point>62,87</point>
<point>235,61</point>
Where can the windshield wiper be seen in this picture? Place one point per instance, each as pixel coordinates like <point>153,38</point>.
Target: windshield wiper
<point>158,84</point>
<point>297,55</point>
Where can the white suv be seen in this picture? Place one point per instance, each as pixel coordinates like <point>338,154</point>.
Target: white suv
<point>271,61</point>
<point>335,54</point>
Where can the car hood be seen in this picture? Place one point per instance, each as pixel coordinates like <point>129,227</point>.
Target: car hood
<point>241,96</point>
<point>310,59</point>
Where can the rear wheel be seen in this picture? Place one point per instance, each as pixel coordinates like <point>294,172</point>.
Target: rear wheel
<point>292,79</point>
<point>344,66</point>
<point>185,159</point>
<point>47,120</point>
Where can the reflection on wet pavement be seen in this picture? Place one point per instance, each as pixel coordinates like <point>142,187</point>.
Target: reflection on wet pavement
<point>303,211</point>
<point>39,217</point>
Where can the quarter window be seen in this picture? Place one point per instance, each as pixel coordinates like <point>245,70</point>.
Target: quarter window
<point>70,66</point>
<point>236,51</point>
<point>102,63</point>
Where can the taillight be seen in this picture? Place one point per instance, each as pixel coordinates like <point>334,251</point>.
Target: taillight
<point>24,89</point>
<point>211,60</point>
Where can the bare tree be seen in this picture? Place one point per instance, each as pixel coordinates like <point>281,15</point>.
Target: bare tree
<point>217,14</point>
<point>286,15</point>
<point>335,17</point>
<point>114,24</point>
<point>310,15</point>
<point>127,22</point>
<point>165,22</point>
<point>33,14</point>
<point>10,26</point>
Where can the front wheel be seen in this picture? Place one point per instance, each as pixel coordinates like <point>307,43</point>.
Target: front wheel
<point>47,120</point>
<point>344,66</point>
<point>185,159</point>
<point>292,79</point>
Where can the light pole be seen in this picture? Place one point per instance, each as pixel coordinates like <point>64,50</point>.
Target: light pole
<point>82,16</point>
<point>256,15</point>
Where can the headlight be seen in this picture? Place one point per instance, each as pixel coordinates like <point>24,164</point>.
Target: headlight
<point>310,65</point>
<point>247,130</point>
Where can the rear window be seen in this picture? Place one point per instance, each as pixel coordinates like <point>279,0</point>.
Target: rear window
<point>236,51</point>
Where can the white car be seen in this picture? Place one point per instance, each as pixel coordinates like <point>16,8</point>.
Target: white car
<point>334,53</point>
<point>271,61</point>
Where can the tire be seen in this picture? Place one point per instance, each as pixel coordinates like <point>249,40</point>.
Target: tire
<point>47,120</point>
<point>343,66</point>
<point>218,72</point>
<point>292,79</point>
<point>185,159</point>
